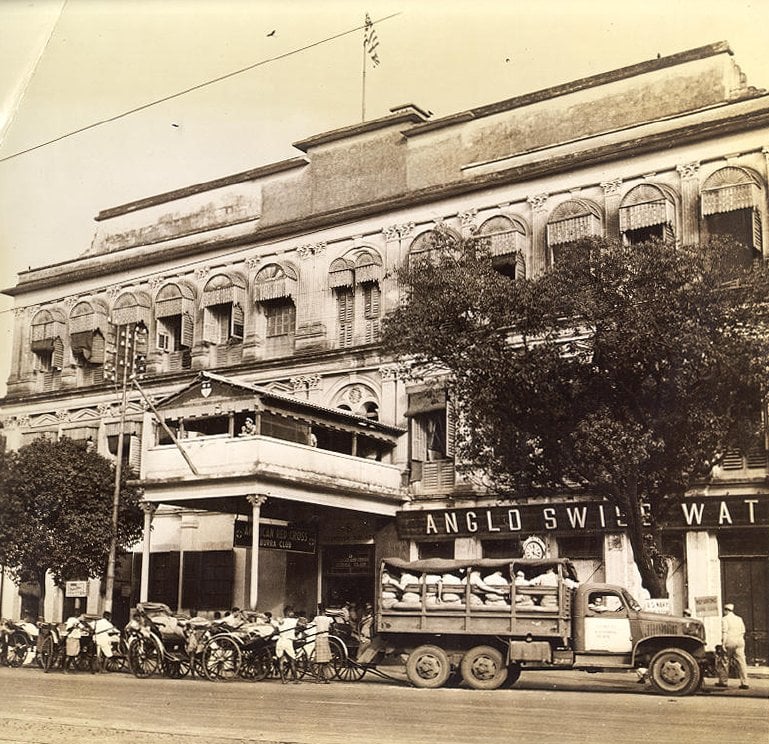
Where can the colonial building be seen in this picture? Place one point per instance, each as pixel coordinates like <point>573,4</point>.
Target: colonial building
<point>280,451</point>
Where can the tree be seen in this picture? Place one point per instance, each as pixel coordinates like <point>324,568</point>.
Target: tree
<point>624,372</point>
<point>56,512</point>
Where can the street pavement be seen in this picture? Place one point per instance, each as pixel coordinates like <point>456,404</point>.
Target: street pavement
<point>543,706</point>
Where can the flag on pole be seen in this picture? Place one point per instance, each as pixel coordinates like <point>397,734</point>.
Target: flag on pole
<point>370,40</point>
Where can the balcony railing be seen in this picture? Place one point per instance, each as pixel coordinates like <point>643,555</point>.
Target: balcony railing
<point>254,457</point>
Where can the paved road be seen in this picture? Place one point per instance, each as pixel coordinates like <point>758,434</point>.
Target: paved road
<point>543,707</point>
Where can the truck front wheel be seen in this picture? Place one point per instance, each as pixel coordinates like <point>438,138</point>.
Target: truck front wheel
<point>674,671</point>
<point>428,666</point>
<point>483,668</point>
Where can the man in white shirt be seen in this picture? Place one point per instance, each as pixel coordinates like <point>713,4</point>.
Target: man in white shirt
<point>733,643</point>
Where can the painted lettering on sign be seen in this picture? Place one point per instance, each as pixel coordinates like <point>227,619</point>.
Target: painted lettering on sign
<point>572,517</point>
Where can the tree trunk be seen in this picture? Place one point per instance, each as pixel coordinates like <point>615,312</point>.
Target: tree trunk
<point>644,554</point>
<point>41,574</point>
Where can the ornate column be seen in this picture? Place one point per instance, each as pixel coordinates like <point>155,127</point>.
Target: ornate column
<point>538,258</point>
<point>256,501</point>
<point>149,510</point>
<point>611,201</point>
<point>689,234</point>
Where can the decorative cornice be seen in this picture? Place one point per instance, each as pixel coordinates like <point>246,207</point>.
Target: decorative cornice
<point>467,218</point>
<point>201,272</point>
<point>689,170</point>
<point>257,500</point>
<point>253,262</point>
<point>393,372</point>
<point>148,507</point>
<point>397,232</point>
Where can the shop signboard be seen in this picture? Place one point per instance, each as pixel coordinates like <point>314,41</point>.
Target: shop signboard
<point>293,538</point>
<point>706,606</point>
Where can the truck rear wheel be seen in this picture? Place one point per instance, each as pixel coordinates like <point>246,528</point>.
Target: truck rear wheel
<point>674,671</point>
<point>428,666</point>
<point>483,668</point>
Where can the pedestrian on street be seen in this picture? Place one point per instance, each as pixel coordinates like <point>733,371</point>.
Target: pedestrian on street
<point>285,651</point>
<point>322,623</point>
<point>732,647</point>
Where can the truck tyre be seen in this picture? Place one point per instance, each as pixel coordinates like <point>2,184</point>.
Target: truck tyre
<point>674,671</point>
<point>513,674</point>
<point>428,666</point>
<point>483,668</point>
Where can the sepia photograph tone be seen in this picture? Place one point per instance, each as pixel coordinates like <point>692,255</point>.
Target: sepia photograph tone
<point>389,372</point>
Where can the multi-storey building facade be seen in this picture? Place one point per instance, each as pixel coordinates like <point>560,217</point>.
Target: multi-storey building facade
<point>293,453</point>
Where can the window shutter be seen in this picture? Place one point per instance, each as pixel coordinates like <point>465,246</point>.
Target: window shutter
<point>236,321</point>
<point>345,308</point>
<point>210,326</point>
<point>186,330</point>
<point>668,234</point>
<point>757,236</point>
<point>418,439</point>
<point>373,328</point>
<point>98,348</point>
<point>450,429</point>
<point>57,354</point>
<point>371,300</point>
<point>134,453</point>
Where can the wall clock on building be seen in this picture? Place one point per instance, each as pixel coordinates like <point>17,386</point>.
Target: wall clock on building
<point>534,548</point>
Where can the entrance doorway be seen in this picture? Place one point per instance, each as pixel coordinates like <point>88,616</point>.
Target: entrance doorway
<point>745,582</point>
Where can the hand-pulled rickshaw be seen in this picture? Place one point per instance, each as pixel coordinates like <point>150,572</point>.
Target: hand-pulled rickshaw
<point>158,642</point>
<point>54,639</point>
<point>17,639</point>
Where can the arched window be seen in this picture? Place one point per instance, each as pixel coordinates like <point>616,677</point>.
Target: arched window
<point>426,244</point>
<point>223,301</point>
<point>730,200</point>
<point>47,347</point>
<point>571,221</point>
<point>174,322</point>
<point>275,287</point>
<point>507,244</point>
<point>88,332</point>
<point>647,212</point>
<point>355,279</point>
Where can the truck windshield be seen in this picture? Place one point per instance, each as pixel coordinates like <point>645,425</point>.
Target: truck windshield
<point>630,601</point>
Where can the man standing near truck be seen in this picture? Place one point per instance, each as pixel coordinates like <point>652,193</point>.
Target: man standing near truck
<point>733,644</point>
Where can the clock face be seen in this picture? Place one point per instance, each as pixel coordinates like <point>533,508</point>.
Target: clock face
<point>533,549</point>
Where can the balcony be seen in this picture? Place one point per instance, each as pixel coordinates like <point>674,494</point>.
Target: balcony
<point>232,466</point>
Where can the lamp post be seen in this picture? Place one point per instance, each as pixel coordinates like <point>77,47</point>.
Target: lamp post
<point>132,364</point>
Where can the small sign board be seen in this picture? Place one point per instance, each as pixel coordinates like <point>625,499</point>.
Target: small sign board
<point>292,538</point>
<point>659,605</point>
<point>76,589</point>
<point>706,606</point>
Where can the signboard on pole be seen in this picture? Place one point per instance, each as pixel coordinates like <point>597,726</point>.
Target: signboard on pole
<point>76,589</point>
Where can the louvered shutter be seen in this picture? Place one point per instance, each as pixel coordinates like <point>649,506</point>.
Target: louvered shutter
<point>346,314</point>
<point>186,330</point>
<point>757,236</point>
<point>98,348</point>
<point>134,453</point>
<point>57,354</point>
<point>236,321</point>
<point>450,429</point>
<point>210,326</point>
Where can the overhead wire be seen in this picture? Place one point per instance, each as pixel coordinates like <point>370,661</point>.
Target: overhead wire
<point>191,89</point>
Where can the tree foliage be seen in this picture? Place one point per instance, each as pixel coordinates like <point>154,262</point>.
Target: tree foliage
<point>623,372</point>
<point>56,511</point>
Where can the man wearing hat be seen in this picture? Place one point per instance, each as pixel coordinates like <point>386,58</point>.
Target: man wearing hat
<point>733,644</point>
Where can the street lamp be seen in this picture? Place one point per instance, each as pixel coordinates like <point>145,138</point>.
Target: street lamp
<point>134,363</point>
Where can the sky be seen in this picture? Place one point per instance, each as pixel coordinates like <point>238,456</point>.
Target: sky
<point>67,65</point>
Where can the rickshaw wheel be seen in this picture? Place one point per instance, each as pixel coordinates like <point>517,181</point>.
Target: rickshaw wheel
<point>114,663</point>
<point>339,656</point>
<point>144,657</point>
<point>176,668</point>
<point>221,658</point>
<point>351,671</point>
<point>49,654</point>
<point>256,665</point>
<point>17,649</point>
